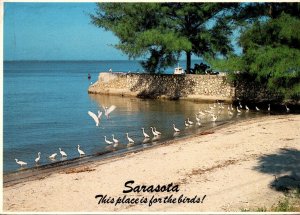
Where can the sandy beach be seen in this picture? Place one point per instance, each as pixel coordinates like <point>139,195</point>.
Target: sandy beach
<point>231,169</point>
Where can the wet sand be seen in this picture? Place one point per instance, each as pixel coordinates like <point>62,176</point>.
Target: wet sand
<point>233,168</point>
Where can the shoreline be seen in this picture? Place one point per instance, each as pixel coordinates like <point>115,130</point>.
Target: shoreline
<point>232,167</point>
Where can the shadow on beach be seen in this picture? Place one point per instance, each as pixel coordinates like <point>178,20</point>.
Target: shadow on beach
<point>285,166</point>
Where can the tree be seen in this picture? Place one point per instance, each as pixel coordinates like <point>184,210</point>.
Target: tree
<point>161,31</point>
<point>271,49</point>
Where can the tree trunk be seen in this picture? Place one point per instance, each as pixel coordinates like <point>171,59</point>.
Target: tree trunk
<point>188,62</point>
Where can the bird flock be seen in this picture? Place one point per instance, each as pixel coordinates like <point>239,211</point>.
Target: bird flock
<point>212,113</point>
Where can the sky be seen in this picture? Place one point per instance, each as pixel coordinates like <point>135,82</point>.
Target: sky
<point>55,31</point>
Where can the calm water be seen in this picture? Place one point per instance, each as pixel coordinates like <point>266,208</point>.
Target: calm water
<point>46,104</point>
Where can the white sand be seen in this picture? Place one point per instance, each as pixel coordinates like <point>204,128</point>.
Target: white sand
<point>223,166</point>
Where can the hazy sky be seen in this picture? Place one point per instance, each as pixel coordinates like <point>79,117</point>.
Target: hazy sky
<point>55,31</point>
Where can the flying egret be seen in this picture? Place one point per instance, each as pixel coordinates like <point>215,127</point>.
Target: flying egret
<point>189,122</point>
<point>116,141</point>
<point>129,139</point>
<point>38,158</point>
<point>80,151</point>
<point>21,163</point>
<point>107,110</point>
<point>52,157</point>
<point>99,114</point>
<point>175,129</point>
<point>63,154</point>
<point>157,132</point>
<point>256,108</point>
<point>95,118</point>
<point>107,141</point>
<point>144,133</point>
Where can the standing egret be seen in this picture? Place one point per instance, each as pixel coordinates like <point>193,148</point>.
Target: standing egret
<point>95,118</point>
<point>214,118</point>
<point>238,110</point>
<point>153,132</point>
<point>189,122</point>
<point>52,157</point>
<point>186,124</point>
<point>80,151</point>
<point>231,107</point>
<point>175,129</point>
<point>144,133</point>
<point>107,110</point>
<point>116,141</point>
<point>240,105</point>
<point>157,132</point>
<point>247,108</point>
<point>269,108</point>
<point>38,158</point>
<point>287,109</point>
<point>129,139</point>
<point>63,154</point>
<point>256,108</point>
<point>107,141</point>
<point>21,163</point>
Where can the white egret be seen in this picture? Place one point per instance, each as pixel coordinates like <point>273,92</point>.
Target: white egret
<point>107,110</point>
<point>238,110</point>
<point>197,119</point>
<point>214,118</point>
<point>99,114</point>
<point>107,141</point>
<point>269,108</point>
<point>186,124</point>
<point>80,151</point>
<point>256,108</point>
<point>95,118</point>
<point>287,109</point>
<point>230,113</point>
<point>21,163</point>
<point>189,122</point>
<point>145,134</point>
<point>240,105</point>
<point>52,157</point>
<point>247,108</point>
<point>175,129</point>
<point>231,106</point>
<point>129,139</point>
<point>63,154</point>
<point>157,132</point>
<point>201,113</point>
<point>38,158</point>
<point>116,141</point>
<point>153,132</point>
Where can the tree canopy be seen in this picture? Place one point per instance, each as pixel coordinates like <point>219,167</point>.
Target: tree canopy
<point>160,32</point>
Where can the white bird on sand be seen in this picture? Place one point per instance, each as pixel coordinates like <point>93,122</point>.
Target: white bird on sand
<point>129,139</point>
<point>95,118</point>
<point>107,141</point>
<point>52,157</point>
<point>201,113</point>
<point>38,158</point>
<point>157,132</point>
<point>21,163</point>
<point>238,110</point>
<point>189,122</point>
<point>80,151</point>
<point>240,105</point>
<point>269,108</point>
<point>63,154</point>
<point>175,129</point>
<point>231,107</point>
<point>116,141</point>
<point>145,134</point>
<point>256,108</point>
<point>197,119</point>
<point>107,110</point>
<point>153,132</point>
<point>287,109</point>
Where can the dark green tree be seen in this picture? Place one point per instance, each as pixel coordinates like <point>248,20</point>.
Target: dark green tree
<point>271,48</point>
<point>159,32</point>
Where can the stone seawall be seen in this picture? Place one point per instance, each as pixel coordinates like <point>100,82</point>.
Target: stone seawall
<point>194,87</point>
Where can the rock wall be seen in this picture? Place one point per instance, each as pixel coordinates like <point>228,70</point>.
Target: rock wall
<point>194,87</point>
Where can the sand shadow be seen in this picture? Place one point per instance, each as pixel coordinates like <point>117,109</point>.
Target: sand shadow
<point>285,166</point>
